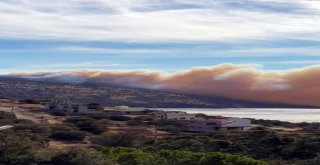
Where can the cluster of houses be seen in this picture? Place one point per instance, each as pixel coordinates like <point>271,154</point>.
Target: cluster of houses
<point>201,123</point>
<point>66,106</point>
<point>193,122</point>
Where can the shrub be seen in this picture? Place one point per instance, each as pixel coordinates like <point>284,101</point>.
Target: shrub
<point>34,128</point>
<point>74,120</point>
<point>98,116</point>
<point>131,156</point>
<point>79,156</point>
<point>7,115</point>
<point>95,106</point>
<point>112,140</point>
<point>58,113</point>
<point>130,137</point>
<point>68,135</point>
<point>87,124</point>
<point>91,126</point>
<point>119,118</point>
<point>30,101</point>
<point>19,148</point>
<point>134,122</point>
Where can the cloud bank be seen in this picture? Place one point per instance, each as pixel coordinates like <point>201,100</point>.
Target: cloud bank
<point>245,82</point>
<point>159,20</point>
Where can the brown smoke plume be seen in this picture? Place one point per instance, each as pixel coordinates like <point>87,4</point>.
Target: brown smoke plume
<point>245,82</point>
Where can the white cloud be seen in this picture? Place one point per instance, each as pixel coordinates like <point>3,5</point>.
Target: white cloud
<point>294,62</point>
<point>152,20</point>
<point>82,49</point>
<point>71,65</point>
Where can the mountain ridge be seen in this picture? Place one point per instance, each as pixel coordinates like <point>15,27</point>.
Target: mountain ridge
<point>21,88</point>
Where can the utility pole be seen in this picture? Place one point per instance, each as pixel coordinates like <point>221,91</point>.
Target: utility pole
<point>12,108</point>
<point>155,127</point>
<point>155,133</point>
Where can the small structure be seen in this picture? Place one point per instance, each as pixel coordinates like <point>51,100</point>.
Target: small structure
<point>212,124</point>
<point>68,107</point>
<point>82,109</point>
<point>57,105</point>
<point>200,123</point>
<point>172,115</point>
<point>157,115</point>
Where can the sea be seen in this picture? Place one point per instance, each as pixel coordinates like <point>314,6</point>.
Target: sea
<point>287,114</point>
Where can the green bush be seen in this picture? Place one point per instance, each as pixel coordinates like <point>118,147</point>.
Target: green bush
<point>131,156</point>
<point>7,115</point>
<point>30,101</point>
<point>18,148</point>
<point>79,156</point>
<point>119,118</point>
<point>88,125</point>
<point>113,140</point>
<point>58,113</point>
<point>95,106</point>
<point>68,135</point>
<point>34,128</point>
<point>91,126</point>
<point>134,122</point>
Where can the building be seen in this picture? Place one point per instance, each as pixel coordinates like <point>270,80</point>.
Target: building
<point>179,115</point>
<point>68,107</point>
<point>82,109</point>
<point>172,115</point>
<point>56,105</point>
<point>202,123</point>
<point>212,124</point>
<point>157,115</point>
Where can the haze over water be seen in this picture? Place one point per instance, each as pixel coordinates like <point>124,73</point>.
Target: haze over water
<point>290,115</point>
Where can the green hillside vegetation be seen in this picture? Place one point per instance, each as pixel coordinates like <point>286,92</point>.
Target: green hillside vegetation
<point>132,156</point>
<point>134,143</point>
<point>26,148</point>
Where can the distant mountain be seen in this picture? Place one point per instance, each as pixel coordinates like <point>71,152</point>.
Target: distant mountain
<point>16,88</point>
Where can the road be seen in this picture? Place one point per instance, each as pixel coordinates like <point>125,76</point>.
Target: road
<point>6,127</point>
<point>19,115</point>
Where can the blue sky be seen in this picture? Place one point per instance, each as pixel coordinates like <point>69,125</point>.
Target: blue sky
<point>165,35</point>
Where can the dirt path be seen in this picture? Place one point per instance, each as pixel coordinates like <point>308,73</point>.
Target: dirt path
<point>20,115</point>
<point>6,127</point>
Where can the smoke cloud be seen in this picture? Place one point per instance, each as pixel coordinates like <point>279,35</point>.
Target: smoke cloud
<point>244,82</point>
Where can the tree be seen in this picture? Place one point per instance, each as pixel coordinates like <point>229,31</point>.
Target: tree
<point>19,148</point>
<point>79,156</point>
<point>68,135</point>
<point>88,125</point>
<point>132,156</point>
<point>129,156</point>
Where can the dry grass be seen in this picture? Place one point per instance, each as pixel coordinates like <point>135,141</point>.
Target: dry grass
<point>31,106</point>
<point>64,144</point>
<point>10,103</point>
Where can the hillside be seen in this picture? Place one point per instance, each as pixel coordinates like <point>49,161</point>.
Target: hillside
<point>111,95</point>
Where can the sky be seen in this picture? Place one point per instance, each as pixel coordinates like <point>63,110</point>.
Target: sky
<point>165,35</point>
<point>262,46</point>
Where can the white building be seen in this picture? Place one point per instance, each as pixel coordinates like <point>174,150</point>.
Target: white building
<point>58,106</point>
<point>172,115</point>
<point>157,115</point>
<point>82,109</point>
<point>195,123</point>
<point>68,107</point>
<point>179,115</point>
<point>212,124</point>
